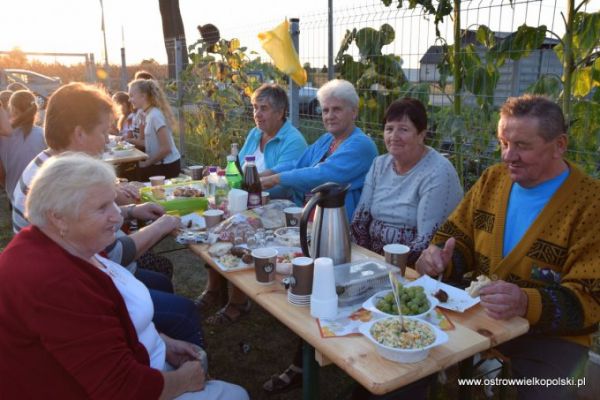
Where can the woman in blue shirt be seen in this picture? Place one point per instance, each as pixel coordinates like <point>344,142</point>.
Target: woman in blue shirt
<point>274,140</point>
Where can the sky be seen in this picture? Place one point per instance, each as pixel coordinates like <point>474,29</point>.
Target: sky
<point>74,25</point>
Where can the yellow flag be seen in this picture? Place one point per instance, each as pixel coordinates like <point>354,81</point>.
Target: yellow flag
<point>278,44</point>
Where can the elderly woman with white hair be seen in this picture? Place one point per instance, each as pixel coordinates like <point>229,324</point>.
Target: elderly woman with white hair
<point>343,154</point>
<point>76,321</point>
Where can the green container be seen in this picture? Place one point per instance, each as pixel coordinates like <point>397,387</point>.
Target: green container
<point>179,206</point>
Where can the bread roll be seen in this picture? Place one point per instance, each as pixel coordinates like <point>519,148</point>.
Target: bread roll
<point>476,285</point>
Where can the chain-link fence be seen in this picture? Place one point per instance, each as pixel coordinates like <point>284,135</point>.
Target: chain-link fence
<point>391,51</point>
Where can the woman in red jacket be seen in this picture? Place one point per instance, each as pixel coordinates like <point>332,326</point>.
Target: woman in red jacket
<point>74,325</point>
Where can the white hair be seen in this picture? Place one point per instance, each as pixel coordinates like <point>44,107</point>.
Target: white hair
<point>338,89</point>
<point>61,184</point>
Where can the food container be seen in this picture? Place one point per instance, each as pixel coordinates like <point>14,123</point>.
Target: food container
<point>176,204</point>
<point>399,354</point>
<point>371,304</point>
<point>122,149</point>
<point>358,280</point>
<point>288,236</point>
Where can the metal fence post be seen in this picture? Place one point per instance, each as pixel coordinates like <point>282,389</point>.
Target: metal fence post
<point>330,72</point>
<point>180,116</point>
<point>93,74</point>
<point>88,68</point>
<point>123,70</point>
<point>293,88</point>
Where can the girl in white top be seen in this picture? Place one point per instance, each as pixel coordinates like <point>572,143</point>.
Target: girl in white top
<point>23,144</point>
<point>159,347</point>
<point>163,156</point>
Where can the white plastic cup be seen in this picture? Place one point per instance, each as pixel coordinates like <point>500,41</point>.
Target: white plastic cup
<point>237,201</point>
<point>323,309</point>
<point>323,300</point>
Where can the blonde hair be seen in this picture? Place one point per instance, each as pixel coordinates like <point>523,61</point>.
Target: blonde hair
<point>61,185</point>
<point>156,97</point>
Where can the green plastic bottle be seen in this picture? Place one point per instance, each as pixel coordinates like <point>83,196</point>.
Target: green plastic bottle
<point>232,174</point>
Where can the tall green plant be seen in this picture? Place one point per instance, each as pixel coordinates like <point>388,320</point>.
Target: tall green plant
<point>578,87</point>
<point>378,78</point>
<point>218,84</point>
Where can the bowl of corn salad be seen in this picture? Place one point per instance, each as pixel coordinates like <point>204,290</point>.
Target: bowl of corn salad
<point>409,346</point>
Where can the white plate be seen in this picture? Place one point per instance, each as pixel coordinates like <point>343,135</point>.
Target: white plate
<point>242,265</point>
<point>197,220</point>
<point>458,299</point>
<point>371,303</point>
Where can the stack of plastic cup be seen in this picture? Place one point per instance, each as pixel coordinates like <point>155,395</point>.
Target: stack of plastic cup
<point>237,200</point>
<point>323,300</point>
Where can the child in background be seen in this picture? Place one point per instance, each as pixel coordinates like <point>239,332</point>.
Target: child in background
<point>163,156</point>
<point>126,114</point>
<point>25,141</point>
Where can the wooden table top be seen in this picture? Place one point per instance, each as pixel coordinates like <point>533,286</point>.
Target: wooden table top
<point>135,155</point>
<point>474,332</point>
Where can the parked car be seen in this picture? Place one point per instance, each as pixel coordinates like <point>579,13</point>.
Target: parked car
<point>39,84</point>
<point>308,104</point>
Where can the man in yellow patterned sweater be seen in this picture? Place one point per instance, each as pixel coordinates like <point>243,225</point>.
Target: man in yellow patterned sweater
<point>532,222</point>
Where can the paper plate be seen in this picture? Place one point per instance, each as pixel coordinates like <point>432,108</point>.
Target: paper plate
<point>458,299</point>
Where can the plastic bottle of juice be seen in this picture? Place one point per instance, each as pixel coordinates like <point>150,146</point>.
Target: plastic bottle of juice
<point>211,180</point>
<point>234,152</point>
<point>251,183</point>
<point>221,191</point>
<point>233,175</point>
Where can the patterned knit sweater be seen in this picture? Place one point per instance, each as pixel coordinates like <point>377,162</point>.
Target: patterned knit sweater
<point>557,262</point>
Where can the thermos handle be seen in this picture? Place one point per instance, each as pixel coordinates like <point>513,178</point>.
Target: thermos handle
<point>304,223</point>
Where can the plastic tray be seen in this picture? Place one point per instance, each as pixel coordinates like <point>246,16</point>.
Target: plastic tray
<point>358,280</point>
<point>179,205</point>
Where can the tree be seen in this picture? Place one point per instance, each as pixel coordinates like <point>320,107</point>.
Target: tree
<point>173,29</point>
<point>16,58</point>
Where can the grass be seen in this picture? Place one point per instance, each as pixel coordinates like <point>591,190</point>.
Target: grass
<point>257,346</point>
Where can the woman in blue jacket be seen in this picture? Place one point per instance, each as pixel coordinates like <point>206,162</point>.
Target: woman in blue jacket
<point>343,154</point>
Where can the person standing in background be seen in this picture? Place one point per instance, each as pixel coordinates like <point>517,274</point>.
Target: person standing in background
<point>25,141</point>
<point>5,128</point>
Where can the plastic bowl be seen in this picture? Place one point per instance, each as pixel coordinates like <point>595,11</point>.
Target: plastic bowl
<point>404,355</point>
<point>288,236</point>
<point>123,150</point>
<point>371,304</point>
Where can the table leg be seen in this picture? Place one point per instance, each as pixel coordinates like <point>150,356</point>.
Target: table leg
<point>310,373</point>
<point>465,370</point>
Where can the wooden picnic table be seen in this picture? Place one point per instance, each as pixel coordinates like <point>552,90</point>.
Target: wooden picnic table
<point>134,156</point>
<point>474,332</point>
